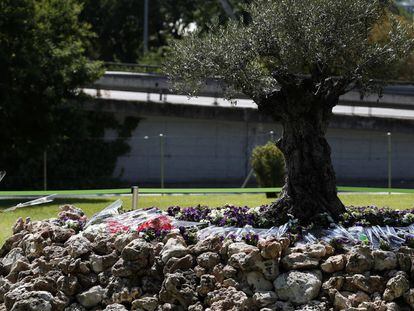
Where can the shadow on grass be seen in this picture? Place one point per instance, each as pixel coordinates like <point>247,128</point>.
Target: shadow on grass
<point>6,203</point>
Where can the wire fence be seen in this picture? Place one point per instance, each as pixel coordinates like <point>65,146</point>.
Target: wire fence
<point>202,160</point>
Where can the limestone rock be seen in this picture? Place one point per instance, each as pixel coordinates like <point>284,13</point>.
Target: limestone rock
<point>61,235</point>
<point>341,302</point>
<point>199,271</point>
<point>138,250</point>
<point>92,297</point>
<point>207,284</point>
<point>4,288</point>
<point>115,307</point>
<point>229,271</point>
<point>270,249</point>
<point>230,283</point>
<point>146,303</point>
<point>227,299</point>
<point>47,267</point>
<point>126,269</point>
<point>174,264</point>
<point>396,286</point>
<point>317,250</point>
<point>359,260</point>
<point>18,266</point>
<point>211,244</point>
<point>101,263</point>
<point>123,240</point>
<point>264,299</point>
<point>179,287</point>
<point>11,243</point>
<point>241,247</point>
<point>13,256</point>
<point>409,298</point>
<point>75,307</point>
<point>334,264</point>
<point>369,284</point>
<point>384,260</point>
<point>15,294</point>
<point>78,246</point>
<point>208,260</point>
<point>257,282</point>
<point>299,261</point>
<point>404,261</point>
<point>357,298</point>
<point>35,301</point>
<point>392,306</point>
<point>196,307</point>
<point>174,247</point>
<point>269,268</point>
<point>33,245</point>
<point>68,285</point>
<point>335,282</point>
<point>245,262</point>
<point>298,287</point>
<point>218,272</point>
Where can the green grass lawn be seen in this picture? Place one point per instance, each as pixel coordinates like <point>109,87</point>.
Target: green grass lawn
<point>93,205</point>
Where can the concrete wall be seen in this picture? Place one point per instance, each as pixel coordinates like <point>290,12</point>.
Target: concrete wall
<point>216,153</point>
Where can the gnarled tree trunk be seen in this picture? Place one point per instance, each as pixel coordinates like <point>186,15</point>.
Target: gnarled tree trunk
<point>310,187</point>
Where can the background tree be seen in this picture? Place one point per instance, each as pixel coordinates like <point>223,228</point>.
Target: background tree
<point>118,25</point>
<point>43,63</point>
<point>295,59</point>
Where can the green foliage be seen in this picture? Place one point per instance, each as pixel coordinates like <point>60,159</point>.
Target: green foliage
<point>118,25</point>
<point>43,64</point>
<point>269,165</point>
<point>324,47</point>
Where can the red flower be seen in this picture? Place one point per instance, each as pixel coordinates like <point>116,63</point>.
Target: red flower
<point>159,223</point>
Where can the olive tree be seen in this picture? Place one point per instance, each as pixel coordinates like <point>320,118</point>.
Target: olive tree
<point>295,59</point>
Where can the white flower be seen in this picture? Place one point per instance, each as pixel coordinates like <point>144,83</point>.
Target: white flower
<point>216,214</point>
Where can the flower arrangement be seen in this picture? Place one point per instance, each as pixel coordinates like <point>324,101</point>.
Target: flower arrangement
<point>409,240</point>
<point>156,228</point>
<point>230,215</point>
<point>189,234</point>
<point>115,227</point>
<point>373,216</point>
<point>158,223</point>
<point>248,237</point>
<point>71,217</point>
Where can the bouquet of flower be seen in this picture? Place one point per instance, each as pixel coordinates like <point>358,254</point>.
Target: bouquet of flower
<point>161,222</point>
<point>115,227</point>
<point>156,228</point>
<point>72,217</point>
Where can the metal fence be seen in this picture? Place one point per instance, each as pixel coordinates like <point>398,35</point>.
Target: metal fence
<point>210,160</point>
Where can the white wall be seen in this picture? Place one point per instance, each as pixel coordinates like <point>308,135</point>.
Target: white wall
<point>210,152</point>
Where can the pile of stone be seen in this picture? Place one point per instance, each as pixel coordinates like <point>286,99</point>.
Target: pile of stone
<point>44,266</point>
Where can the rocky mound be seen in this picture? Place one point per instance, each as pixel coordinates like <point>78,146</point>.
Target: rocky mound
<point>45,266</point>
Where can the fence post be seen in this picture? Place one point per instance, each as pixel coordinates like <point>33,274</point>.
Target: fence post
<point>135,191</point>
<point>162,160</point>
<point>389,135</point>
<point>45,170</point>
